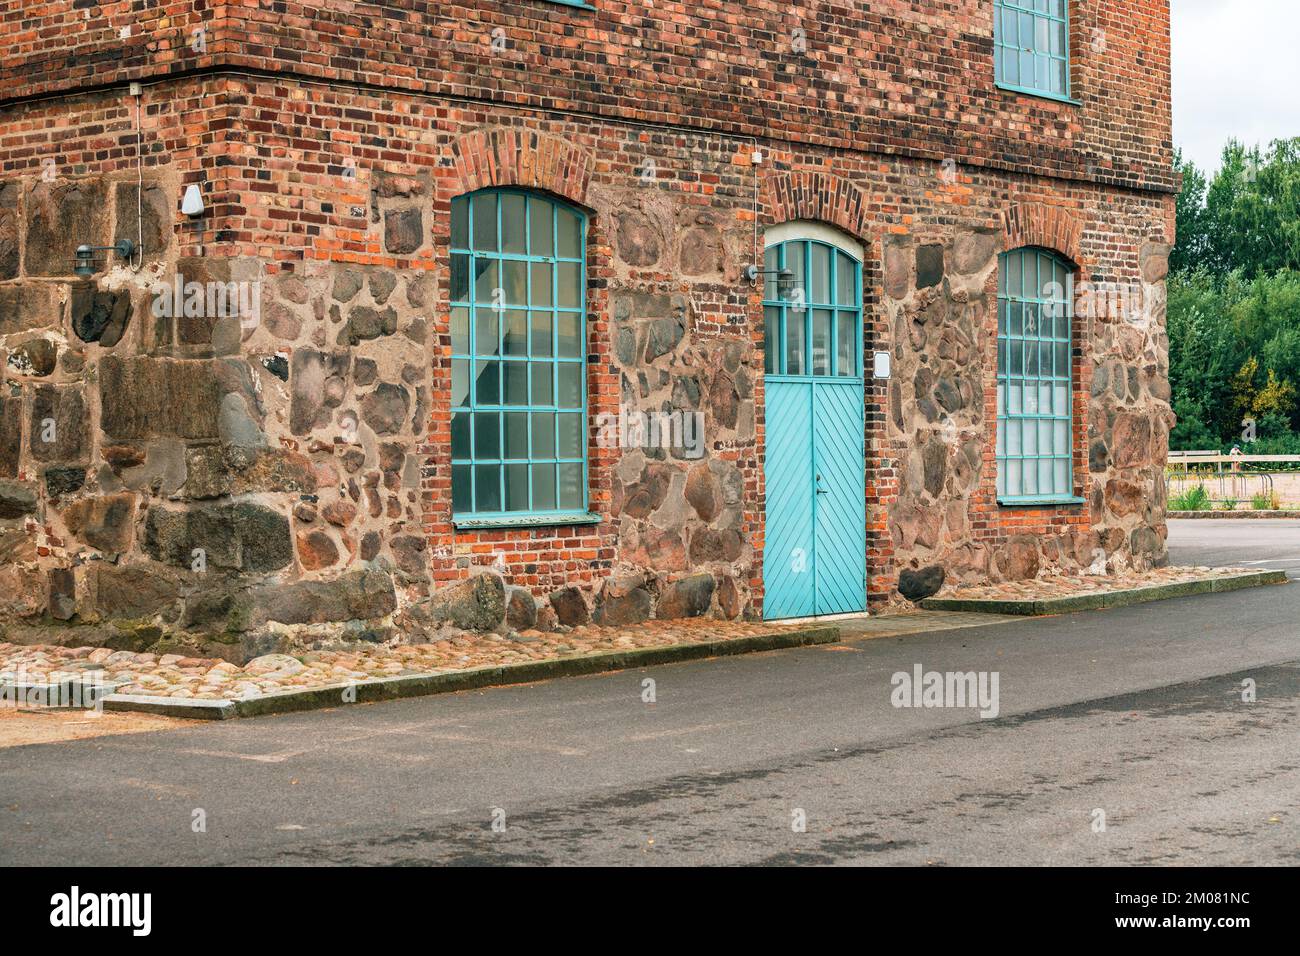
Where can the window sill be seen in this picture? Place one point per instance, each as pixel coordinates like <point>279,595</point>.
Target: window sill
<point>1038,94</point>
<point>573,3</point>
<point>1031,502</point>
<point>557,520</point>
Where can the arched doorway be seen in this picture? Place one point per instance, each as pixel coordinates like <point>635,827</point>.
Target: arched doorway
<point>814,557</point>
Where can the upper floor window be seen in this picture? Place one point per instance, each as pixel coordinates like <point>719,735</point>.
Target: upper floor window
<point>1035,428</point>
<point>1031,46</point>
<point>518,357</point>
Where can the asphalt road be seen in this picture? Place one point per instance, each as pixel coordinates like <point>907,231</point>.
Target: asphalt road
<point>1249,542</point>
<point>1134,712</point>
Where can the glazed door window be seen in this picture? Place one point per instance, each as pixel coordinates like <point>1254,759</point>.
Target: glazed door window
<point>812,309</point>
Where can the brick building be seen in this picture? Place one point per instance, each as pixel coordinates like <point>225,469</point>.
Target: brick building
<point>546,310</point>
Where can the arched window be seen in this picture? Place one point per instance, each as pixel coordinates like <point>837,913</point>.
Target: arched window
<point>518,364</point>
<point>1031,46</point>
<point>1035,445</point>
<point>812,303</point>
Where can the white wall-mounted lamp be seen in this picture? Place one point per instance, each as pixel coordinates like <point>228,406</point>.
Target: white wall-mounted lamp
<point>192,203</point>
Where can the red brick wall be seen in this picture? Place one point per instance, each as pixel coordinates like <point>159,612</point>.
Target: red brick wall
<point>896,76</point>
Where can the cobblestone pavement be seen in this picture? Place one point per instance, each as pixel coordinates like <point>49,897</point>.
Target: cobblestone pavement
<point>173,675</point>
<point>177,676</point>
<point>1059,586</point>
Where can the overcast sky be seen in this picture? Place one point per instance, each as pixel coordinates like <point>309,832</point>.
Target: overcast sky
<point>1236,73</point>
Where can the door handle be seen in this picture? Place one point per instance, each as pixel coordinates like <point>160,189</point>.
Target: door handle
<point>820,490</point>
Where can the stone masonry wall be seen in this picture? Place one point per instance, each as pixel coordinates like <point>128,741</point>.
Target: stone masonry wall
<point>202,478</point>
<point>944,523</point>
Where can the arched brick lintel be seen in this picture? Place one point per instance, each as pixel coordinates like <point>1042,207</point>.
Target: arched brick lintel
<point>815,196</point>
<point>1048,227</point>
<point>511,157</point>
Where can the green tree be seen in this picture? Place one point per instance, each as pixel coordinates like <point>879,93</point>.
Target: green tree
<point>1234,300</point>
<point>1250,217</point>
<point>1203,358</point>
<point>1234,352</point>
<point>1193,230</point>
<point>1266,323</point>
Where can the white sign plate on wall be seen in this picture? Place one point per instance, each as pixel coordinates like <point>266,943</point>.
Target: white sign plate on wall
<point>881,368</point>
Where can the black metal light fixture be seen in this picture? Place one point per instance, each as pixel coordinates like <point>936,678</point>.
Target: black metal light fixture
<point>784,279</point>
<point>85,260</point>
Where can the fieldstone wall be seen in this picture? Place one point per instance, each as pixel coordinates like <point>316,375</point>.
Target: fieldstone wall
<point>1130,419</point>
<point>53,332</point>
<point>937,309</point>
<point>205,453</point>
<point>680,510</point>
<point>943,522</point>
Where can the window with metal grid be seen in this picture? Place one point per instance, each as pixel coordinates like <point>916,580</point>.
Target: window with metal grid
<point>813,317</point>
<point>1031,46</point>
<point>518,364</point>
<point>1035,446</point>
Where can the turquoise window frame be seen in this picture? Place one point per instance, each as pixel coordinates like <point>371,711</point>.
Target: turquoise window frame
<point>781,315</point>
<point>1047,46</point>
<point>1035,379</point>
<point>486,331</point>
<point>581,4</point>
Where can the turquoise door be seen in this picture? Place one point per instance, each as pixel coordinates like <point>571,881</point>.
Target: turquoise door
<point>815,546</point>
